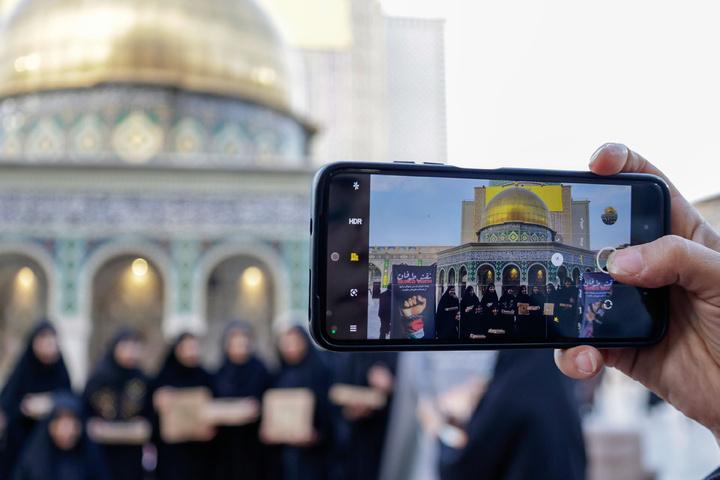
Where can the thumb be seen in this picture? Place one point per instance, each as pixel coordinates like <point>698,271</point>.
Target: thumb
<point>666,261</point>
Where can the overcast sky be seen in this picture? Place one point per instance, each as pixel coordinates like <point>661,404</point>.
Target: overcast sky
<point>543,84</point>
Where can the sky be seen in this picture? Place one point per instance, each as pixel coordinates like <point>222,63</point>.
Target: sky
<point>543,84</point>
<point>420,211</point>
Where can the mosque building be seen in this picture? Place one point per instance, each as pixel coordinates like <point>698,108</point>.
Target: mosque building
<point>147,177</point>
<point>156,157</point>
<point>528,234</point>
<point>511,235</point>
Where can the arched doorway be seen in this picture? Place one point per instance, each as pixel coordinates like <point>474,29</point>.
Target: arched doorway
<point>451,278</point>
<point>576,276</point>
<point>240,287</point>
<point>441,284</point>
<point>485,275</point>
<point>562,274</point>
<point>375,280</point>
<point>511,276</point>
<point>128,290</point>
<point>537,275</point>
<point>463,278</point>
<point>23,301</point>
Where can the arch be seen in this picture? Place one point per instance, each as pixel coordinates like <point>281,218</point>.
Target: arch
<point>272,265</point>
<point>37,254</point>
<point>23,301</point>
<point>576,276</point>
<point>463,278</point>
<point>485,275</point>
<point>374,280</point>
<point>562,274</point>
<point>128,290</point>
<point>511,275</point>
<point>441,283</point>
<point>451,277</point>
<point>121,247</point>
<point>537,274</point>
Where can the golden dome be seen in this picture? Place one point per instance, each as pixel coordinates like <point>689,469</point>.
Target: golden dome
<point>516,205</point>
<point>226,47</point>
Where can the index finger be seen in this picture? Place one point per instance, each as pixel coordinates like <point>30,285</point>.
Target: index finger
<point>612,158</point>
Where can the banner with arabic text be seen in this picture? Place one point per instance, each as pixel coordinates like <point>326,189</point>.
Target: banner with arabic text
<point>413,302</point>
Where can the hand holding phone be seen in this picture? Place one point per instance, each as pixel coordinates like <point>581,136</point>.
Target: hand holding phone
<point>422,239</point>
<point>684,368</point>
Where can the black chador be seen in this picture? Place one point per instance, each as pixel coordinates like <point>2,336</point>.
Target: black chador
<point>469,315</point>
<point>526,425</point>
<point>239,454</point>
<point>30,376</point>
<point>446,322</point>
<point>43,459</point>
<point>308,462</point>
<point>186,460</point>
<point>118,394</point>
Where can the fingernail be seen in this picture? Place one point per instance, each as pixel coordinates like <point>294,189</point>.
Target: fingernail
<point>597,152</point>
<point>625,262</point>
<point>586,363</point>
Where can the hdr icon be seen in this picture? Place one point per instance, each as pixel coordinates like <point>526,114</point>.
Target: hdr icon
<point>355,221</point>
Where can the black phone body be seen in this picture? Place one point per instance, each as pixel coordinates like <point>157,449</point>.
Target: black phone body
<point>418,257</point>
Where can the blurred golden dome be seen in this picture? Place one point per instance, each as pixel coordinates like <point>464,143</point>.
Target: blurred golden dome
<point>225,47</point>
<point>516,205</point>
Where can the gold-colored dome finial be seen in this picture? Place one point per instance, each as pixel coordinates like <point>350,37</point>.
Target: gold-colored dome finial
<point>229,48</point>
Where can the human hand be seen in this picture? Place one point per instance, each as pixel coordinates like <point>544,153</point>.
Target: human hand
<point>684,368</point>
<point>414,305</point>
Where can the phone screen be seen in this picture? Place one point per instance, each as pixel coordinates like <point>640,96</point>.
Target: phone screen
<point>428,259</point>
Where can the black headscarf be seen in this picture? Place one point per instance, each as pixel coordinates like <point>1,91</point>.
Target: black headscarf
<point>33,376</point>
<point>29,376</point>
<point>489,297</point>
<point>238,451</point>
<point>43,460</point>
<point>175,374</point>
<point>123,390</point>
<point>310,372</point>
<point>469,300</point>
<point>445,324</point>
<point>526,425</point>
<point>249,379</point>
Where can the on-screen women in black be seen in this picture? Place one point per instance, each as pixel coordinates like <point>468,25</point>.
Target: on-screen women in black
<point>446,319</point>
<point>469,315</point>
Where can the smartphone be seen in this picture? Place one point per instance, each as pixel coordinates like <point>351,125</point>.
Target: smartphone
<point>408,256</point>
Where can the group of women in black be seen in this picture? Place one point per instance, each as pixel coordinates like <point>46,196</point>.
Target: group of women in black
<point>514,313</point>
<point>112,431</point>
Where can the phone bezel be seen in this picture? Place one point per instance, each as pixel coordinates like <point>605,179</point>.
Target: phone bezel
<point>319,258</point>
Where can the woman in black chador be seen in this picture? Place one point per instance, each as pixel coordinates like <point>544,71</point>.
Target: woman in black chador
<point>526,425</point>
<point>364,428</point>
<point>239,454</point>
<point>116,401</point>
<point>302,367</point>
<point>469,315</point>
<point>537,299</point>
<point>508,309</point>
<point>551,298</point>
<point>523,319</point>
<point>26,397</point>
<point>59,448</point>
<point>188,460</point>
<point>489,298</point>
<point>447,318</point>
